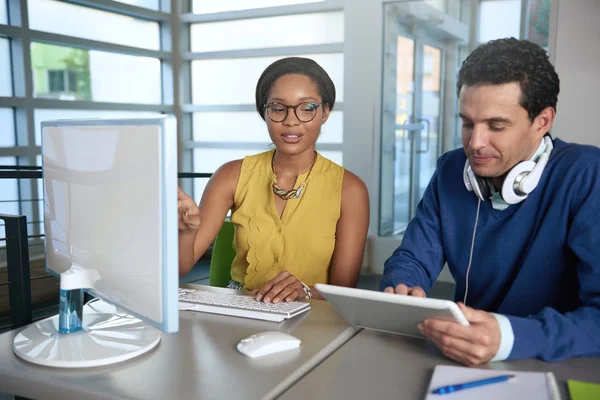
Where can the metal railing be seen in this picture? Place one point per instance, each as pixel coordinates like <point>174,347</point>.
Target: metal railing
<point>17,265</point>
<point>35,172</point>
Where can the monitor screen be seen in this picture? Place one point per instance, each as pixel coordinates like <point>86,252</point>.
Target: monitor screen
<point>110,207</point>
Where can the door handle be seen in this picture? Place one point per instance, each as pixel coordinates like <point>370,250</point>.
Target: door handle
<point>427,126</point>
<point>410,130</point>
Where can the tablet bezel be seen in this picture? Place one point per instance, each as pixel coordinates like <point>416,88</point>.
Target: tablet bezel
<point>384,311</point>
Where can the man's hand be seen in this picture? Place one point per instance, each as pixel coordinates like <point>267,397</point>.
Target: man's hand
<point>469,345</point>
<point>403,289</point>
<point>284,287</point>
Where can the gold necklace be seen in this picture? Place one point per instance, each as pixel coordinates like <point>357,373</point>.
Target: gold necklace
<point>294,193</point>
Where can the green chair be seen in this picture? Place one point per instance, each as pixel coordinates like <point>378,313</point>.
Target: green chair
<point>223,254</point>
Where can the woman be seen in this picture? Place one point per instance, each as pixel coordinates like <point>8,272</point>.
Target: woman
<point>300,219</point>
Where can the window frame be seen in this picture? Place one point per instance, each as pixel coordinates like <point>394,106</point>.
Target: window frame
<point>175,18</point>
<point>189,108</point>
<point>23,101</point>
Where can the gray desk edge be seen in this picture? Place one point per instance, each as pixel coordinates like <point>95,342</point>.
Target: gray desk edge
<point>314,362</point>
<point>305,368</point>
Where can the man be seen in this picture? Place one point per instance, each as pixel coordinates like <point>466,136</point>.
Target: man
<point>521,239</point>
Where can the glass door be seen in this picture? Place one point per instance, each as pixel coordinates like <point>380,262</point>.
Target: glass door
<point>428,142</point>
<point>411,143</point>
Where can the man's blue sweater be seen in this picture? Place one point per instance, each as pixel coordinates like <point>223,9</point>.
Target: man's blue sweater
<point>537,262</point>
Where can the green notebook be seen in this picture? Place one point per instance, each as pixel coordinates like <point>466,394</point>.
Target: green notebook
<point>583,390</point>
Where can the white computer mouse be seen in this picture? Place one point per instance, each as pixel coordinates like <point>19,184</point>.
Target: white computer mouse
<point>265,343</point>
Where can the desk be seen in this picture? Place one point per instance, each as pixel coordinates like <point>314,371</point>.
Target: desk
<point>377,365</point>
<point>200,362</point>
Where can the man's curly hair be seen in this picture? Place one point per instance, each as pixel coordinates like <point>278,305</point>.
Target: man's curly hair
<point>511,60</point>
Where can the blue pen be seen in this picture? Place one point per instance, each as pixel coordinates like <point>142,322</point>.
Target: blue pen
<point>467,385</point>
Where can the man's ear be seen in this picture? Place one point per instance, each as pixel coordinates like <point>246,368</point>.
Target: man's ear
<point>543,122</point>
<point>325,115</point>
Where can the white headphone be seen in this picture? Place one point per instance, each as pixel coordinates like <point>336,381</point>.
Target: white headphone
<point>521,180</point>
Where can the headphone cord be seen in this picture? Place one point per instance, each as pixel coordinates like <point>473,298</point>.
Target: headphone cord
<point>471,254</point>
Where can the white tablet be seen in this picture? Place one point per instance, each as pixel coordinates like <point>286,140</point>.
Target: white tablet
<point>389,312</point>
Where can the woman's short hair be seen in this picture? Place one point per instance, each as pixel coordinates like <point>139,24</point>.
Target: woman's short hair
<point>294,65</point>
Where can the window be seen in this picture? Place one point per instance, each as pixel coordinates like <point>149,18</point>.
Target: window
<point>205,6</point>
<point>95,75</point>
<point>223,86</point>
<point>281,31</point>
<point>47,115</point>
<point>335,156</point>
<point>7,128</point>
<point>438,4</point>
<point>233,81</point>
<point>84,56</point>
<point>428,63</point>
<point>502,18</point>
<point>499,19</point>
<point>61,72</point>
<point>62,81</point>
<point>68,19</point>
<point>56,81</point>
<point>216,127</point>
<point>3,14</point>
<point>152,4</point>
<point>9,196</point>
<point>208,160</point>
<point>5,70</point>
<point>539,22</point>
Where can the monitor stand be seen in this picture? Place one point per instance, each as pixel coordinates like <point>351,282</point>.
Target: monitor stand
<point>105,337</point>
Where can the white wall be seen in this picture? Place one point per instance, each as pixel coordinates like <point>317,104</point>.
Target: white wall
<point>363,47</point>
<point>575,53</point>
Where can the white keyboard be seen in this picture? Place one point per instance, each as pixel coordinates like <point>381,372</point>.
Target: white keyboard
<point>238,305</point>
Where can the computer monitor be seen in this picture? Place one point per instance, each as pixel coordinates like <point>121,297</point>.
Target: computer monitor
<point>110,220</point>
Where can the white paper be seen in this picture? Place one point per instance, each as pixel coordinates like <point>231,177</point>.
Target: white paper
<point>525,385</point>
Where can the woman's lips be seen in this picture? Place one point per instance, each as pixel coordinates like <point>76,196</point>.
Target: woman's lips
<point>291,138</point>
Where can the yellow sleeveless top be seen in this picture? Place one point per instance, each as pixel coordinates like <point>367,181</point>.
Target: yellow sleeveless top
<point>301,241</point>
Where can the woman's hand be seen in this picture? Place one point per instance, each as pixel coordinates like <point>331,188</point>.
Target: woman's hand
<point>284,287</point>
<point>188,212</point>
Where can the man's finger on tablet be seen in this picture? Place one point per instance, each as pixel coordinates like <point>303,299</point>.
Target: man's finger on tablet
<point>417,292</point>
<point>401,289</point>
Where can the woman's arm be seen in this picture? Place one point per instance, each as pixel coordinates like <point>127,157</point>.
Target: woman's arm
<point>199,225</point>
<point>351,233</point>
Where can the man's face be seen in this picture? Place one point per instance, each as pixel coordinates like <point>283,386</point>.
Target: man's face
<point>496,131</point>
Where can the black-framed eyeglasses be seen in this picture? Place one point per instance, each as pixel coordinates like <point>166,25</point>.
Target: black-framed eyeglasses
<point>305,111</point>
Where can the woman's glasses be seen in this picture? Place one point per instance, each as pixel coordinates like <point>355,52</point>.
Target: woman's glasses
<point>305,112</point>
